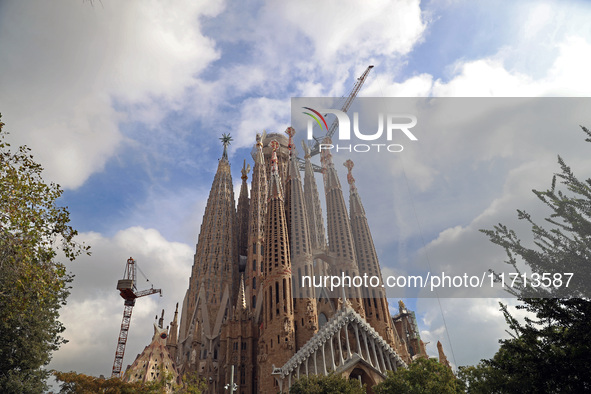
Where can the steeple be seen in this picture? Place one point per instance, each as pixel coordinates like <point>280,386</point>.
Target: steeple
<point>171,341</point>
<point>375,301</point>
<point>277,329</point>
<point>256,225</point>
<point>242,212</point>
<point>340,238</point>
<point>313,207</point>
<point>300,250</point>
<point>213,278</point>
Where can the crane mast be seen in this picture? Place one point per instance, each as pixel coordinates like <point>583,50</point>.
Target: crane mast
<point>315,149</point>
<point>128,291</point>
<point>347,104</point>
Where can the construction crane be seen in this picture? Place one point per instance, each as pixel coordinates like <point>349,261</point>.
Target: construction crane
<point>128,291</point>
<point>315,149</point>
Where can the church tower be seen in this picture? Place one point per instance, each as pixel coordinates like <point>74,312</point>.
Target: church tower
<point>374,298</point>
<point>247,310</point>
<point>256,225</point>
<point>302,263</point>
<point>276,344</point>
<point>209,298</point>
<point>242,214</point>
<point>340,238</point>
<point>313,209</point>
<point>239,346</point>
<point>172,340</point>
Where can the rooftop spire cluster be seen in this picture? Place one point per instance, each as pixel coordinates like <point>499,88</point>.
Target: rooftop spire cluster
<point>245,300</point>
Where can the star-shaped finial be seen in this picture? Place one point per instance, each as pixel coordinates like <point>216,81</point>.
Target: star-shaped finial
<point>226,140</point>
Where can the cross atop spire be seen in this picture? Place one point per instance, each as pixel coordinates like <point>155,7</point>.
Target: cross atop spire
<point>226,140</point>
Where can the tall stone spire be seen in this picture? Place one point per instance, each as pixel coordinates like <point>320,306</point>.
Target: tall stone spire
<point>256,225</point>
<point>213,275</point>
<point>313,207</point>
<point>276,345</point>
<point>242,212</point>
<point>375,301</point>
<point>172,340</point>
<point>302,261</point>
<point>340,238</point>
<point>241,303</point>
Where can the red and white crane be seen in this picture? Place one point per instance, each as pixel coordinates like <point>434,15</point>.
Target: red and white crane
<point>128,291</point>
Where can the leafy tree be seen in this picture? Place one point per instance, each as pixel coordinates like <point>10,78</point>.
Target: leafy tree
<point>551,352</point>
<point>33,285</point>
<point>331,384</point>
<point>424,375</point>
<point>75,383</point>
<point>563,248</point>
<point>191,383</point>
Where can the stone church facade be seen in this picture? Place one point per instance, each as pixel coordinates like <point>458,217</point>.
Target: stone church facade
<point>245,306</point>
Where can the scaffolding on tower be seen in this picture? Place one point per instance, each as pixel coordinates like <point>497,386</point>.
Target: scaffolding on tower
<point>128,291</point>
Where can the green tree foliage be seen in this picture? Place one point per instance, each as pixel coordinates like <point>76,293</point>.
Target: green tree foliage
<point>33,285</point>
<point>424,375</point>
<point>550,352</point>
<point>191,383</point>
<point>75,383</point>
<point>563,247</point>
<point>331,384</point>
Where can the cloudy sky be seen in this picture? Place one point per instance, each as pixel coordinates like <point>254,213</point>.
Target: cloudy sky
<point>123,103</point>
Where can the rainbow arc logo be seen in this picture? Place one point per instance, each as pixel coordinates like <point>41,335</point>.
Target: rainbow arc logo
<point>317,118</point>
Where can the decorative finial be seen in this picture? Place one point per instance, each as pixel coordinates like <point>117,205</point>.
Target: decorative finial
<point>259,140</point>
<point>349,164</point>
<point>325,155</point>
<point>290,131</point>
<point>226,140</point>
<point>161,320</point>
<point>245,170</point>
<point>306,150</point>
<point>275,145</point>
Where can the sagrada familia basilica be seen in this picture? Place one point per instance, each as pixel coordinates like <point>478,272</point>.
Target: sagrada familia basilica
<point>246,312</point>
